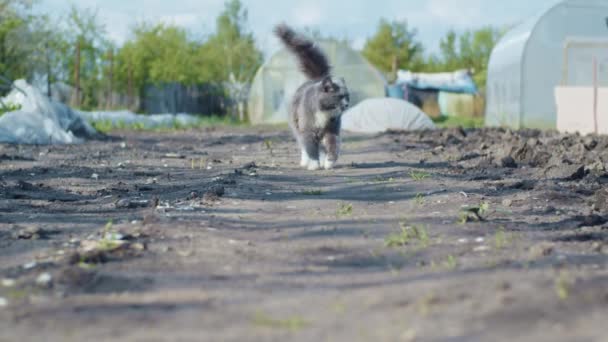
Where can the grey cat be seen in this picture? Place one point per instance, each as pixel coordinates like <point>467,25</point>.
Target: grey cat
<point>316,109</point>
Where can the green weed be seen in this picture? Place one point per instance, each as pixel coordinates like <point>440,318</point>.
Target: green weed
<point>408,235</point>
<point>345,209</point>
<point>419,175</point>
<point>295,323</point>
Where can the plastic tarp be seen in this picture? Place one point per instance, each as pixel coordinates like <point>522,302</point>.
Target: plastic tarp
<point>377,115</point>
<point>43,121</point>
<point>457,82</point>
<point>120,118</point>
<point>40,120</point>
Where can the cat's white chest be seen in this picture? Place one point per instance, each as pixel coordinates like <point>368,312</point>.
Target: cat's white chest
<point>321,119</point>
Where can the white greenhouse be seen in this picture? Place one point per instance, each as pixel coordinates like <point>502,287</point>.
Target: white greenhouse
<point>277,80</point>
<point>555,48</point>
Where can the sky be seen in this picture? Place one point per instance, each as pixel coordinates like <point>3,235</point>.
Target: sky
<point>355,20</point>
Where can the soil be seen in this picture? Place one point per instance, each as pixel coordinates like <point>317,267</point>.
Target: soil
<point>219,235</point>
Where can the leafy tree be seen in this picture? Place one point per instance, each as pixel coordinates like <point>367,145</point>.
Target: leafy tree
<point>393,47</point>
<point>84,54</point>
<point>233,52</point>
<point>13,32</point>
<point>232,45</point>
<point>469,50</point>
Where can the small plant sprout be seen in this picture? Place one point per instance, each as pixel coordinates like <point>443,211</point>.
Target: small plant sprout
<point>419,175</point>
<point>502,239</point>
<point>419,199</point>
<point>450,263</point>
<point>563,285</point>
<point>407,235</point>
<point>295,323</point>
<point>474,214</point>
<point>345,209</point>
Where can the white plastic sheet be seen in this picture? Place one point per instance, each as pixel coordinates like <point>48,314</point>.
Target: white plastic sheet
<point>44,121</point>
<point>41,120</point>
<point>377,115</point>
<point>147,121</point>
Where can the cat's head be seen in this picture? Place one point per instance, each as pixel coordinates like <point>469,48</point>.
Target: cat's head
<point>333,94</point>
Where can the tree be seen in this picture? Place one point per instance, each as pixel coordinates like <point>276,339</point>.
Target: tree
<point>233,51</point>
<point>392,47</point>
<point>84,56</point>
<point>13,33</point>
<point>469,50</point>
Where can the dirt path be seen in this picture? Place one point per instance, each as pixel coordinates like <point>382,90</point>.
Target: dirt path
<point>218,235</point>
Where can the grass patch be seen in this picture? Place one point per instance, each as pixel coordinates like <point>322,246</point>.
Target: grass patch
<point>408,235</point>
<point>295,323</point>
<point>380,179</point>
<point>563,286</point>
<point>419,175</point>
<point>419,199</point>
<point>457,121</point>
<point>450,263</point>
<point>474,214</point>
<point>502,239</point>
<point>106,126</point>
<point>345,209</point>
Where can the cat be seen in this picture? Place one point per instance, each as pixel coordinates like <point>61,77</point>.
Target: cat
<point>315,111</point>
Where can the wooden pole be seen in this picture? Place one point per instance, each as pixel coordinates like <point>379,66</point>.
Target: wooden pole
<point>595,94</point>
<point>77,75</point>
<point>110,102</point>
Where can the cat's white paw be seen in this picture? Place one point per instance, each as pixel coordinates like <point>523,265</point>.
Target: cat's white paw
<point>313,165</point>
<point>328,165</point>
<point>322,159</point>
<point>305,159</point>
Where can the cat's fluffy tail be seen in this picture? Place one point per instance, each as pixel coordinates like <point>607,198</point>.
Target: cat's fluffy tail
<point>313,62</point>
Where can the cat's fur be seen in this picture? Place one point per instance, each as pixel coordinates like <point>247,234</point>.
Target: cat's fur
<point>316,109</point>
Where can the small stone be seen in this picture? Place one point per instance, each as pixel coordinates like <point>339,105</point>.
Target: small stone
<point>481,249</point>
<point>88,245</point>
<point>30,265</point>
<point>95,176</point>
<point>507,202</point>
<point>126,203</point>
<point>508,162</point>
<point>3,302</point>
<point>214,193</point>
<point>565,172</point>
<point>29,233</point>
<point>123,145</point>
<point>542,249</point>
<point>138,246</point>
<point>7,282</point>
<point>44,280</point>
<point>599,247</point>
<point>114,236</point>
<point>175,156</point>
<point>249,166</point>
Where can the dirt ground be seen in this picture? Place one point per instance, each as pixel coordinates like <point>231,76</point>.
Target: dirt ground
<point>218,235</point>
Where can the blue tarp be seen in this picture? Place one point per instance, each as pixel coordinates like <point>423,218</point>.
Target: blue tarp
<point>455,82</point>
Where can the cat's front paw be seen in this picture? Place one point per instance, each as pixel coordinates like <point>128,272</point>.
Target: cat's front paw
<point>329,164</point>
<point>313,165</point>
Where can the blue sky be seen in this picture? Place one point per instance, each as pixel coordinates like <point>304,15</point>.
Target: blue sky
<point>353,19</point>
